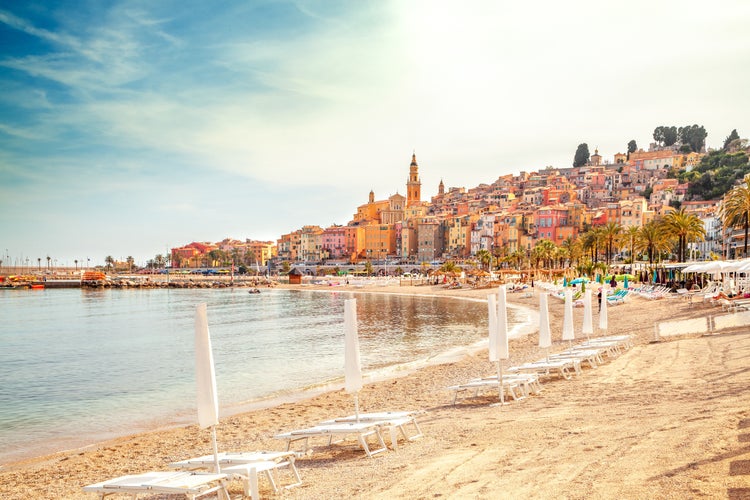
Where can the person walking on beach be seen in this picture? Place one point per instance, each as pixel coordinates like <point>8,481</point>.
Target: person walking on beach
<point>599,296</point>
<point>613,282</point>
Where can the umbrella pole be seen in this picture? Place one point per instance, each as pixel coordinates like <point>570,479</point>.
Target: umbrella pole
<point>356,406</point>
<point>216,449</point>
<point>500,379</point>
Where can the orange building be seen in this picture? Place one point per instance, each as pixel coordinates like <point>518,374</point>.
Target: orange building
<point>380,241</point>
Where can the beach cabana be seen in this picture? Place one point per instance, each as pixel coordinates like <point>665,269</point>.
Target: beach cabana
<point>295,277</point>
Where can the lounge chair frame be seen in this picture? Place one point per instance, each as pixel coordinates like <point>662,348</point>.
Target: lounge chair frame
<point>190,484</point>
<point>338,431</point>
<point>246,467</point>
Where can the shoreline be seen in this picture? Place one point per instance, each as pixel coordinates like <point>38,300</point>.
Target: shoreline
<point>72,444</point>
<point>567,433</point>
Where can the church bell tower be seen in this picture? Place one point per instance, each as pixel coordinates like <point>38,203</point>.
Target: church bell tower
<point>413,186</point>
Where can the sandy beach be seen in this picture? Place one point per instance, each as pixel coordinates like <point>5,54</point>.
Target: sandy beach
<point>667,419</point>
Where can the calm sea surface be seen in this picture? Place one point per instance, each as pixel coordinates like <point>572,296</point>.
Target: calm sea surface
<point>80,366</point>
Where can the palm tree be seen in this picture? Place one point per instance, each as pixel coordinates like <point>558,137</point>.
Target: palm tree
<point>215,256</point>
<point>610,233</point>
<point>48,259</point>
<point>735,210</point>
<point>561,255</point>
<point>76,263</point>
<point>652,239</point>
<point>544,251</point>
<point>516,257</point>
<point>130,260</point>
<point>485,258</point>
<point>450,267</point>
<point>500,253</point>
<point>685,228</point>
<point>109,261</point>
<point>632,235</point>
<point>600,242</point>
<point>592,241</point>
<point>585,267</point>
<point>159,260</point>
<point>572,246</point>
<point>39,263</point>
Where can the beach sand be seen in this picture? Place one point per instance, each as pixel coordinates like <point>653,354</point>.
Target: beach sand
<point>667,419</point>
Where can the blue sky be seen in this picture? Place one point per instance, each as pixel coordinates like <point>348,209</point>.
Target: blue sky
<point>129,127</point>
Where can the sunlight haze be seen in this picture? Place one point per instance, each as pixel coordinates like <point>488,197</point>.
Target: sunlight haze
<point>130,127</point>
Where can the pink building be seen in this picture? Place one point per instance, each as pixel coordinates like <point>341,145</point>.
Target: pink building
<point>549,221</point>
<point>340,242</point>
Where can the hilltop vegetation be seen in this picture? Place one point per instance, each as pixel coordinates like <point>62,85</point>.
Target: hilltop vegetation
<point>719,170</point>
<point>717,173</point>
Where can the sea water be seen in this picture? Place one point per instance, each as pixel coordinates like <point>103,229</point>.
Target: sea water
<point>80,366</point>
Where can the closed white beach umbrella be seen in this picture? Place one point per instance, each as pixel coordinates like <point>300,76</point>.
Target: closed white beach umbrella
<point>205,378</point>
<point>492,325</point>
<point>502,325</point>
<point>588,315</point>
<point>352,366</point>
<point>568,332</point>
<point>502,338</point>
<point>545,335</point>
<point>603,310</point>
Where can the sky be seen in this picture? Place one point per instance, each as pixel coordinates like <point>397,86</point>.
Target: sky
<point>131,127</point>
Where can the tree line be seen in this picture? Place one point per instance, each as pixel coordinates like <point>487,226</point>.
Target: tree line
<point>595,249</point>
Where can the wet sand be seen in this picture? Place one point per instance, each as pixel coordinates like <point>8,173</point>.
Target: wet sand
<point>668,419</point>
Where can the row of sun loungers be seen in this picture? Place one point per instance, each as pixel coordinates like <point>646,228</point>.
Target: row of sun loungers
<point>653,292</point>
<point>521,381</point>
<point>196,477</point>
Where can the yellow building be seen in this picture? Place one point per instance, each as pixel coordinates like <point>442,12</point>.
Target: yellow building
<point>458,235</point>
<point>632,211</point>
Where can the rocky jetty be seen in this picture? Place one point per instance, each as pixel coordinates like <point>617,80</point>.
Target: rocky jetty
<point>182,283</point>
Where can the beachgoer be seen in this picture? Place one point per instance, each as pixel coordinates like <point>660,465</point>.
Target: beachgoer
<point>599,295</point>
<point>613,282</point>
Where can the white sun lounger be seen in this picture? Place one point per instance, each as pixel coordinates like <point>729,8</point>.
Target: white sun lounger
<point>562,367</point>
<point>613,345</point>
<point>593,356</point>
<point>246,466</point>
<point>190,484</point>
<point>362,430</point>
<point>395,422</point>
<point>511,387</point>
<point>528,382</point>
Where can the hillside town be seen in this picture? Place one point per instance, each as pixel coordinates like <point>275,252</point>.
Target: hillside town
<point>505,220</point>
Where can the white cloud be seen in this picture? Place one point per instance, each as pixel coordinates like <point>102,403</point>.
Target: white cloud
<point>152,105</point>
